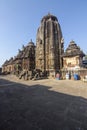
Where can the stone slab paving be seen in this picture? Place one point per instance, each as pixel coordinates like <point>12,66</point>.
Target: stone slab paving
<point>42,105</point>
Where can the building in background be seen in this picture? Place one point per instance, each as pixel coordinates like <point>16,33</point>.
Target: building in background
<point>23,61</point>
<point>73,57</point>
<point>8,66</point>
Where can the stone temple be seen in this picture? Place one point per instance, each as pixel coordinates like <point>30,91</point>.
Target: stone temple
<point>49,45</point>
<point>47,58</point>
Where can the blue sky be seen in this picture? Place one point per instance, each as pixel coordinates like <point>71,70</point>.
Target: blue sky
<point>20,19</point>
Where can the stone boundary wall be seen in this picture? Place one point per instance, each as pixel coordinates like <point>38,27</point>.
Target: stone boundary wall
<point>82,73</point>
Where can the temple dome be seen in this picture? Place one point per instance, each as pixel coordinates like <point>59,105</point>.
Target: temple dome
<point>31,43</point>
<point>72,43</point>
<point>49,16</point>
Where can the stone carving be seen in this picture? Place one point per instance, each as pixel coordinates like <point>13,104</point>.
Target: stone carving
<point>73,56</point>
<point>49,46</point>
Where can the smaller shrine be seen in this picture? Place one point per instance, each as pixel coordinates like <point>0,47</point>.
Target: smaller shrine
<point>72,57</point>
<point>8,66</point>
<point>28,57</point>
<point>23,61</point>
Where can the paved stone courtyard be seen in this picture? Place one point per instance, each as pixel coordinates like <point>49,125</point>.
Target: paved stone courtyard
<point>48,104</point>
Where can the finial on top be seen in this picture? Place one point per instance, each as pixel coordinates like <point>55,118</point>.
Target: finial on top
<point>49,13</point>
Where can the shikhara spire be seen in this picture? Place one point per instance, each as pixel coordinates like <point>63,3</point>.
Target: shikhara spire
<point>49,47</point>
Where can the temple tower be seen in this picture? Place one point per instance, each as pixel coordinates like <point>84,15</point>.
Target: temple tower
<point>49,45</point>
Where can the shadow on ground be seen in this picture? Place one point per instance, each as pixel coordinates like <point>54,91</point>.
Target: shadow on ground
<point>36,107</point>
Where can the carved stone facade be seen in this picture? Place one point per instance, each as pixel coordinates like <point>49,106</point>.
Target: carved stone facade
<point>48,55</point>
<point>23,61</point>
<point>73,56</point>
<point>28,57</point>
<point>8,66</point>
<point>49,45</point>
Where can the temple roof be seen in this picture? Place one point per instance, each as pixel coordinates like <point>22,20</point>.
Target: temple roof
<point>73,50</point>
<point>31,43</point>
<point>28,49</point>
<point>8,62</point>
<point>49,16</point>
<point>24,53</point>
<point>19,55</point>
<point>5,63</point>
